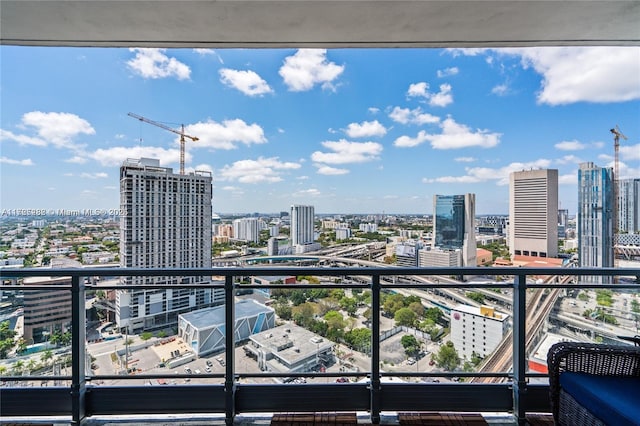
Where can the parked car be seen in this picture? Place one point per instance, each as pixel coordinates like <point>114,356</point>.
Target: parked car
<point>209,363</point>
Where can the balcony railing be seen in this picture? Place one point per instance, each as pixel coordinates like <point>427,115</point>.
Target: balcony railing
<point>84,398</point>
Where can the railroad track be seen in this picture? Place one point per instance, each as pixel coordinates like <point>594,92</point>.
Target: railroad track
<point>538,307</point>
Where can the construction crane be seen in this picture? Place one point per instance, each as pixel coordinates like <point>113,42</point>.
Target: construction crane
<point>180,132</point>
<point>617,134</point>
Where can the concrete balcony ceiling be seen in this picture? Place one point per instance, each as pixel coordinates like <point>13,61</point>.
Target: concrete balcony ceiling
<point>319,23</point>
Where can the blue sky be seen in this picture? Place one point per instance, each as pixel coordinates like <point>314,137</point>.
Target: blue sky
<point>346,130</point>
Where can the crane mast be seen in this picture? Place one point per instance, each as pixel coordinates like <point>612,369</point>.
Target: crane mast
<point>617,134</point>
<point>180,132</point>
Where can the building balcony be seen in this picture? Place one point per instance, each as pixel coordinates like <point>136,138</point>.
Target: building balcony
<point>234,391</point>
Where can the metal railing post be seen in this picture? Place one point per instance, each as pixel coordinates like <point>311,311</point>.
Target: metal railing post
<point>375,349</point>
<point>519,348</point>
<point>78,352</point>
<point>229,377</point>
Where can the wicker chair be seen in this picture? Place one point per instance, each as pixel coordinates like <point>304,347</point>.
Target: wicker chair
<point>608,377</point>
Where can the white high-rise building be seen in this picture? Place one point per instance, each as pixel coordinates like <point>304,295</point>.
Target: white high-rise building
<point>165,223</point>
<point>302,225</point>
<point>477,329</point>
<point>248,229</point>
<point>533,213</point>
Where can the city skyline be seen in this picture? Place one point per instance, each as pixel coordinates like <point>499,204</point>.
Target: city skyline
<point>346,130</point>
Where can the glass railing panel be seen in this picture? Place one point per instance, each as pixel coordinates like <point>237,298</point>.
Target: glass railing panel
<point>35,333</point>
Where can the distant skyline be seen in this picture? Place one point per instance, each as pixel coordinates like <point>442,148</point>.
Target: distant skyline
<point>345,130</point>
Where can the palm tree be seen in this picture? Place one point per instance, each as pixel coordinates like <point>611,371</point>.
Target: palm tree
<point>31,365</point>
<point>46,356</point>
<point>17,368</point>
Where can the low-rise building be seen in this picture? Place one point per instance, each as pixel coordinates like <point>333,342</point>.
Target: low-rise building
<point>290,349</point>
<point>477,329</point>
<point>203,330</point>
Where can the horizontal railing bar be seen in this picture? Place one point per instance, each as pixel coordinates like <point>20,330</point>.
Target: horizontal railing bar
<point>275,271</point>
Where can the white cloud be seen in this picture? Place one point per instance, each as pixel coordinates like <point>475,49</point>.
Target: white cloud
<point>308,67</point>
<point>21,139</point>
<point>409,142</point>
<point>443,97</point>
<point>331,171</point>
<point>440,99</point>
<point>345,152</point>
<point>56,128</point>
<point>209,52</point>
<point>76,160</point>
<point>630,152</point>
<point>486,174</point>
<point>225,135</point>
<point>569,159</point>
<point>373,110</point>
<point>248,82</point>
<point>501,90</point>
<point>420,89</point>
<point>312,192</point>
<point>568,179</point>
<point>414,116</point>
<point>573,145</point>
<point>366,129</point>
<point>465,159</point>
<point>262,170</point>
<point>453,136</point>
<point>600,74</point>
<point>447,72</point>
<point>97,175</point>
<point>114,156</point>
<point>585,74</point>
<point>153,63</point>
<point>25,162</point>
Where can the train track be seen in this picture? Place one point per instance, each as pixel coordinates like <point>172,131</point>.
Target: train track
<point>538,307</point>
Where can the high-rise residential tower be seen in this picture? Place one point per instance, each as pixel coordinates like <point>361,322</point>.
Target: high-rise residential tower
<point>533,213</point>
<point>248,229</point>
<point>454,225</point>
<point>595,218</point>
<point>629,206</point>
<point>302,224</point>
<point>165,223</point>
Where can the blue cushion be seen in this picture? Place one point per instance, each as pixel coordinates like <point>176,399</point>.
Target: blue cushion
<point>614,400</point>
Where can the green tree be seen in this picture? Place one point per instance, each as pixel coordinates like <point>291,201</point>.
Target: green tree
<point>434,314</point>
<point>303,316</point>
<point>417,307</point>
<point>447,357</point>
<point>335,325</point>
<point>475,296</point>
<point>283,311</point>
<point>146,335</point>
<point>6,339</point>
<point>392,303</point>
<point>410,344</point>
<point>359,339</point>
<point>405,316</point>
<point>46,357</point>
<point>17,368</point>
<point>349,304</point>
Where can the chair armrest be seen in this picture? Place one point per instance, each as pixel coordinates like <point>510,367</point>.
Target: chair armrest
<point>590,358</point>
